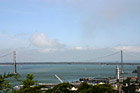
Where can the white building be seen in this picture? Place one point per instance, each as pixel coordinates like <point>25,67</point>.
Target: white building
<point>117,72</point>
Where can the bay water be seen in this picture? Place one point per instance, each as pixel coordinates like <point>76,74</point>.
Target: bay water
<point>45,73</point>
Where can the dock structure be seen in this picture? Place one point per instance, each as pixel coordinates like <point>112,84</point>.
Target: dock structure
<point>50,85</point>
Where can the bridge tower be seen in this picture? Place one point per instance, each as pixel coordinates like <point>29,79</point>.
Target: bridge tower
<point>122,72</point>
<point>14,59</point>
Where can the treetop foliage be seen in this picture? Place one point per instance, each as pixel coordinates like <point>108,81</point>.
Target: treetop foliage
<point>30,86</point>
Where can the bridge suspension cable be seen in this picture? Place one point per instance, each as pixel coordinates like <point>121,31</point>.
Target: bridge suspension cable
<point>6,55</point>
<point>133,55</point>
<point>103,56</point>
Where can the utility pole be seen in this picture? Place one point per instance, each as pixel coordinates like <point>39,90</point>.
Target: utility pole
<point>14,57</point>
<point>122,72</point>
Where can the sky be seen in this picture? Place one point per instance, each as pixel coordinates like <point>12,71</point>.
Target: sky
<point>69,30</point>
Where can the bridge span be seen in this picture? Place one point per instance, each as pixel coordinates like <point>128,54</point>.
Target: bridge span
<point>92,63</point>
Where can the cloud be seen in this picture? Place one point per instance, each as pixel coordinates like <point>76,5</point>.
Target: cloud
<point>128,48</point>
<point>47,50</point>
<point>82,48</point>
<point>42,41</point>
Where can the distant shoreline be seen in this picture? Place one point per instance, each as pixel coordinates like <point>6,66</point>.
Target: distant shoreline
<point>94,63</point>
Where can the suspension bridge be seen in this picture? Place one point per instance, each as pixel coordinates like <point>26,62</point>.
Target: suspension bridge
<point>14,63</point>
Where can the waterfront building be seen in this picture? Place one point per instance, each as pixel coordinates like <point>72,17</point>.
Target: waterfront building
<point>108,80</point>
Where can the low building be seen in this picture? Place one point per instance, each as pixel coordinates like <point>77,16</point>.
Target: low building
<point>132,79</point>
<point>99,80</point>
<point>87,80</point>
<point>105,80</point>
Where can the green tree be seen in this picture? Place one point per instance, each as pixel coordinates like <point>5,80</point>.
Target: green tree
<point>29,85</point>
<point>61,88</point>
<point>4,84</point>
<point>127,81</point>
<point>85,88</point>
<point>102,88</point>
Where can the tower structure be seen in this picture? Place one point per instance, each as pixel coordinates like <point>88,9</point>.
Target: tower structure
<point>138,72</point>
<point>122,72</point>
<point>14,57</point>
<point>117,72</point>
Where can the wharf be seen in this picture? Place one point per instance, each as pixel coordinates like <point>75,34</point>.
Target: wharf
<point>55,84</point>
